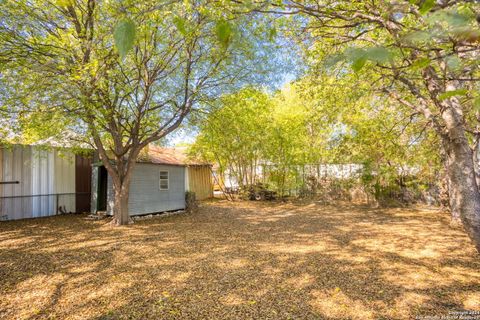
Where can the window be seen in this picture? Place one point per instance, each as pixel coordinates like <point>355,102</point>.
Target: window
<point>163,180</point>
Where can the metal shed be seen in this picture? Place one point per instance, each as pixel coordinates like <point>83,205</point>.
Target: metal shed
<point>36,182</point>
<point>159,182</point>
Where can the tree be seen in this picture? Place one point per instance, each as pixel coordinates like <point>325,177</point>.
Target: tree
<point>235,133</point>
<point>258,136</point>
<point>425,56</point>
<point>120,74</point>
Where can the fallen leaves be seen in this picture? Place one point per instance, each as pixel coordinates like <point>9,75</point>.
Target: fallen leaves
<point>242,260</point>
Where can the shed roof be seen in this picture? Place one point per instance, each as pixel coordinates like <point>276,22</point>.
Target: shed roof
<point>169,156</point>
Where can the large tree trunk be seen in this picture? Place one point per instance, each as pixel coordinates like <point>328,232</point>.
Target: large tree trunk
<point>447,199</point>
<point>476,164</point>
<point>463,188</point>
<point>461,171</point>
<point>120,174</point>
<point>453,201</point>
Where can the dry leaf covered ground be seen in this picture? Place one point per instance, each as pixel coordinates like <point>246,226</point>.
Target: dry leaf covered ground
<point>243,260</point>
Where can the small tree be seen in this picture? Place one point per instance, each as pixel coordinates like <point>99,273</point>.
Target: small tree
<point>235,133</point>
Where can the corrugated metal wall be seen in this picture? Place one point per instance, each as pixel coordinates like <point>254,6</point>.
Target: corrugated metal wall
<point>200,181</point>
<point>41,174</point>
<point>64,179</point>
<point>145,194</point>
<point>13,172</point>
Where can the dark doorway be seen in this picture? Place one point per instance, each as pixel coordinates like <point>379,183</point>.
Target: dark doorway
<point>102,189</point>
<point>83,183</point>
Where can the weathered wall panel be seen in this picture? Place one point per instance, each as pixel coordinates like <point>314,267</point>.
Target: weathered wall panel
<point>42,175</point>
<point>43,183</point>
<point>200,181</point>
<point>94,194</point>
<point>26,203</point>
<point>145,194</point>
<point>7,207</point>
<point>110,196</point>
<point>64,176</point>
<point>15,208</point>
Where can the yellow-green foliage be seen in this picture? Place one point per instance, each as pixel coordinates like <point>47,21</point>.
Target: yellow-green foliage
<point>321,119</point>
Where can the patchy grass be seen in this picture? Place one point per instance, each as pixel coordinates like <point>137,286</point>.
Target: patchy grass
<point>240,261</point>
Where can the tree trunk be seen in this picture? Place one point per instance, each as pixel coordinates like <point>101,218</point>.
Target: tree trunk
<point>476,164</point>
<point>453,200</point>
<point>121,214</point>
<point>463,189</point>
<point>461,172</point>
<point>447,198</point>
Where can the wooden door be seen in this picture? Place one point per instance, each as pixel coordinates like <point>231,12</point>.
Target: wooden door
<point>83,183</point>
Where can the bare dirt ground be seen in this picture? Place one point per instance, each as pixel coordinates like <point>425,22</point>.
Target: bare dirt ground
<point>240,261</point>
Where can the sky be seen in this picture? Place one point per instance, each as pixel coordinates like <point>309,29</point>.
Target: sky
<point>185,136</point>
<point>286,67</point>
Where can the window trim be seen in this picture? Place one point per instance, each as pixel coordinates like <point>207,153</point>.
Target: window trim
<point>160,180</point>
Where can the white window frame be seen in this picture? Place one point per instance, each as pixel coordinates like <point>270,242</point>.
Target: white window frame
<point>160,180</point>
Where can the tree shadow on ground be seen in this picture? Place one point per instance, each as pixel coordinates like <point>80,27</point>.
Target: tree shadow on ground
<point>240,260</point>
